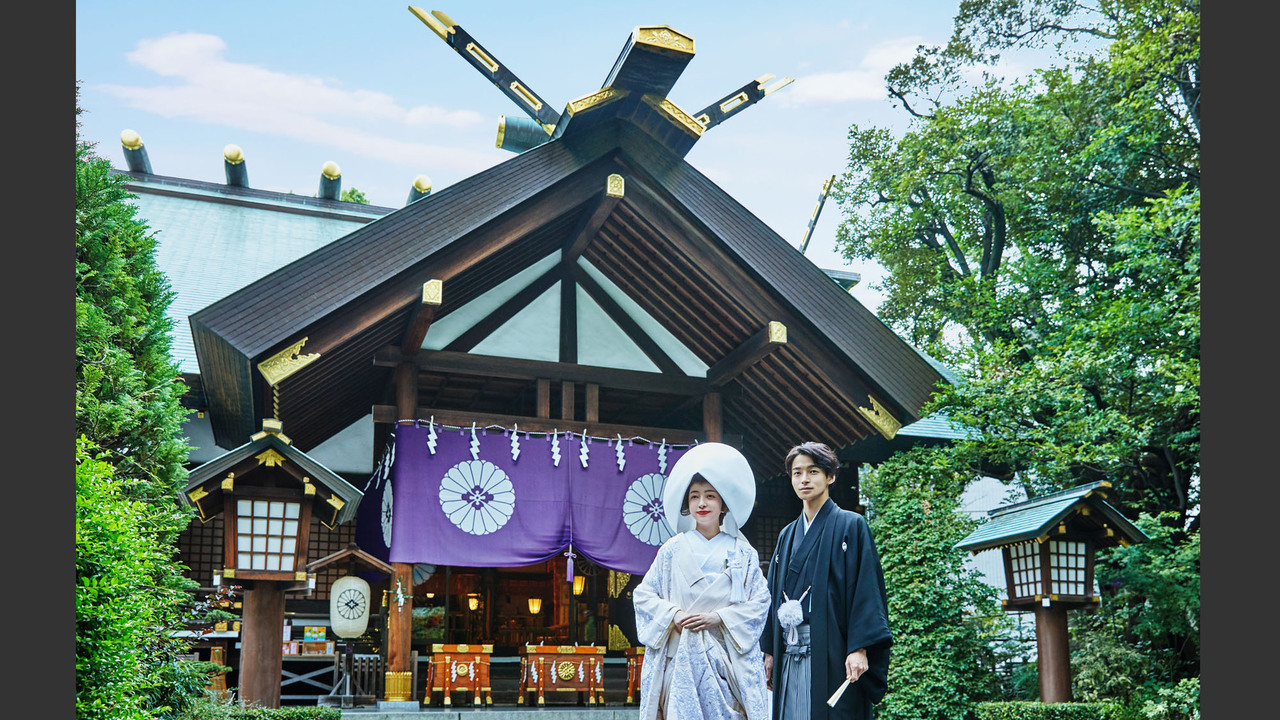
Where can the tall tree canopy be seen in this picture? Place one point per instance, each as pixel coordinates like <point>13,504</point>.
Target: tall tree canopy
<point>130,591</point>
<point>1042,236</point>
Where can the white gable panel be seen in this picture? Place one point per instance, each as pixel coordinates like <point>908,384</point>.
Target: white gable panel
<point>532,334</point>
<point>602,343</point>
<point>446,329</point>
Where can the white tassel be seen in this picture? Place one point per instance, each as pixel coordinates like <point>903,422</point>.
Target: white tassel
<point>790,615</point>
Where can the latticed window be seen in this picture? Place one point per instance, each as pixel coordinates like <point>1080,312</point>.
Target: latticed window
<point>1067,566</point>
<point>266,534</point>
<point>1024,563</point>
<point>200,548</point>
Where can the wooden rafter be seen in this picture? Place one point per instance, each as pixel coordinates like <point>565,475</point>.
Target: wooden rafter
<point>420,320</point>
<point>442,361</point>
<point>764,341</point>
<point>590,224</point>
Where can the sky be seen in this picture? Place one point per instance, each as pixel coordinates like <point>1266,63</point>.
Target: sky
<point>370,87</point>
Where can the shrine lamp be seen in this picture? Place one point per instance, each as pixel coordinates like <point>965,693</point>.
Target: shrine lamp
<point>535,605</point>
<point>579,584</point>
<point>1049,543</point>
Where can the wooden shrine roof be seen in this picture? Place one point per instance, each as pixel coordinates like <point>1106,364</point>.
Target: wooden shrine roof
<point>688,254</point>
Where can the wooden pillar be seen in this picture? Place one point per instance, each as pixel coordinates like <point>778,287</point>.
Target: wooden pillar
<point>711,424</point>
<point>566,400</point>
<point>1053,654</point>
<point>593,402</point>
<point>544,398</point>
<point>400,617</point>
<point>261,643</point>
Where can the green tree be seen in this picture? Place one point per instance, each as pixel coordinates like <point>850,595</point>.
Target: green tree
<point>939,611</point>
<point>130,591</point>
<point>354,195</point>
<point>1043,237</point>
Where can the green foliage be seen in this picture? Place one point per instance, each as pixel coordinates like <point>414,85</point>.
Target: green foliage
<point>1049,711</point>
<point>1042,236</point>
<point>212,708</point>
<point>354,195</point>
<point>125,592</point>
<point>939,612</point>
<point>130,591</point>
<point>1145,638</point>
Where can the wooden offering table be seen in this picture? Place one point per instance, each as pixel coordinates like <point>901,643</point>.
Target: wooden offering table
<point>561,668</point>
<point>635,661</point>
<point>457,668</point>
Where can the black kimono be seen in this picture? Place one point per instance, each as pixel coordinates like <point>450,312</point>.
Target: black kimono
<point>846,609</point>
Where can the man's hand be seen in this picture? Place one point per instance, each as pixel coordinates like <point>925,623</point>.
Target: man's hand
<point>855,663</point>
<point>697,621</point>
<point>768,672</point>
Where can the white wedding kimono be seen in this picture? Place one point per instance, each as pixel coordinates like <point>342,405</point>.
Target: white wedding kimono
<point>714,674</point>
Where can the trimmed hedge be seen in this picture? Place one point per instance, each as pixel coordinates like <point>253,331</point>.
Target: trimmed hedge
<point>1049,711</point>
<point>304,712</point>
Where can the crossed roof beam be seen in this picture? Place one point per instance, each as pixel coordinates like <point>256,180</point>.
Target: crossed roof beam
<point>636,90</point>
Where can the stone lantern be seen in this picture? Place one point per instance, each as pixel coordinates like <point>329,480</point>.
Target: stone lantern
<point>1048,544</point>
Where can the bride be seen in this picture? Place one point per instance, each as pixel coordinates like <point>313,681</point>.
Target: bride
<point>702,605</point>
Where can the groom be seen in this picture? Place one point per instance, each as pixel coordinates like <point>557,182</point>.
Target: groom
<point>825,559</point>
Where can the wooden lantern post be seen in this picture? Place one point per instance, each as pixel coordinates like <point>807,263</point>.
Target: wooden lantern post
<point>1048,544</point>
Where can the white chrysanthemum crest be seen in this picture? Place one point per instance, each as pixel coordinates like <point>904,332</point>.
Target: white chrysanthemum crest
<point>555,448</point>
<point>662,457</point>
<point>583,452</point>
<point>431,435</point>
<point>475,443</point>
<point>622,458</point>
<point>515,442</point>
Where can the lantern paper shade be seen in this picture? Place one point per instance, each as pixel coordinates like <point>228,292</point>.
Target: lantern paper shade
<point>535,605</point>
<point>473,603</point>
<point>579,584</point>
<point>349,606</point>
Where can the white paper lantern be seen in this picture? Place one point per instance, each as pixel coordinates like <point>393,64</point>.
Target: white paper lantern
<point>349,606</point>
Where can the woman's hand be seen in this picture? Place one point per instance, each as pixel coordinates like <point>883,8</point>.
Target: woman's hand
<point>697,621</point>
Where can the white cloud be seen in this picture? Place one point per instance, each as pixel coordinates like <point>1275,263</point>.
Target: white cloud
<point>865,82</point>
<point>300,107</point>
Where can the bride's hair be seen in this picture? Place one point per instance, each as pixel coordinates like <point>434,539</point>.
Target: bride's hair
<point>684,504</point>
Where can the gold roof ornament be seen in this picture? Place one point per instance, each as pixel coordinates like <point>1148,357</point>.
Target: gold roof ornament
<point>270,458</point>
<point>286,362</point>
<point>880,419</point>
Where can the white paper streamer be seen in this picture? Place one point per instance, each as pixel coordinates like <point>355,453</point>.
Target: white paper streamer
<point>555,448</point>
<point>582,452</point>
<point>580,675</point>
<point>431,435</point>
<point>475,443</point>
<point>662,457</point>
<point>622,458</point>
<point>515,442</point>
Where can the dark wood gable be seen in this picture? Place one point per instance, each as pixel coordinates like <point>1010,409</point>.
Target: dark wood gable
<point>693,258</point>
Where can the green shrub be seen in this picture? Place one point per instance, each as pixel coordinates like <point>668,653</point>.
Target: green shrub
<point>1049,711</point>
<point>122,607</point>
<point>214,708</point>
